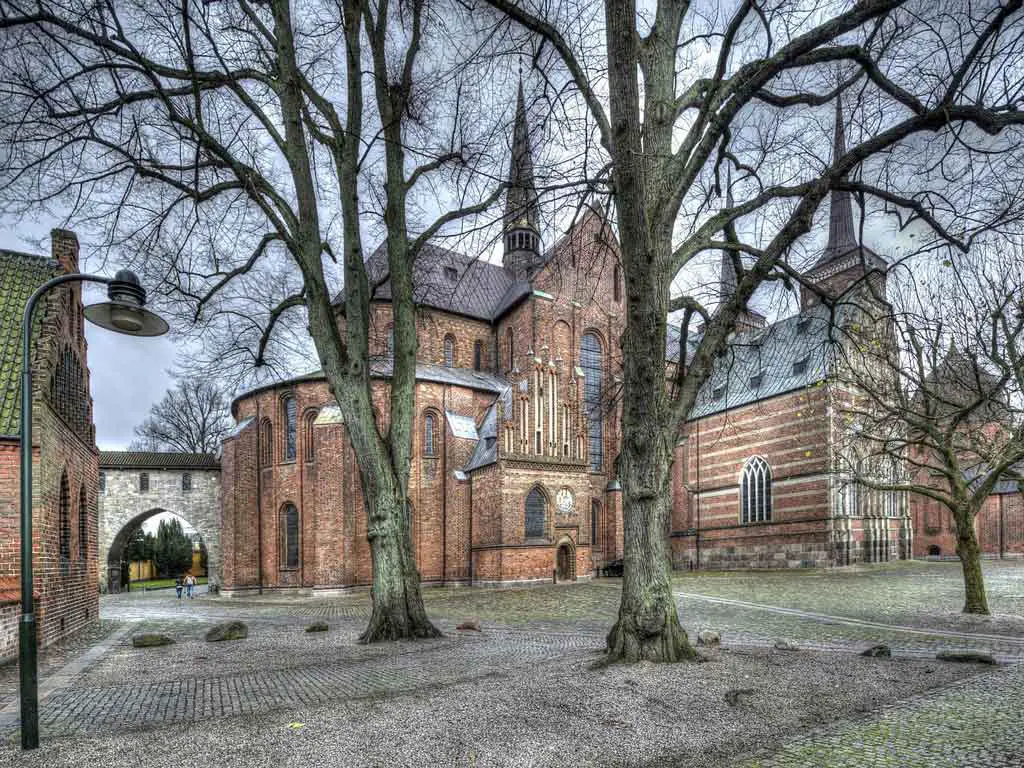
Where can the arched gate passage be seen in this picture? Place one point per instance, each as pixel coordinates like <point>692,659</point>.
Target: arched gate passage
<point>136,485</point>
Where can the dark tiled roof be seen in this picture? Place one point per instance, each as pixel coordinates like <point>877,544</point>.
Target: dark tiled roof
<point>20,275</point>
<point>157,460</point>
<point>792,353</point>
<point>1011,481</point>
<point>451,281</point>
<point>486,452</point>
<point>381,367</point>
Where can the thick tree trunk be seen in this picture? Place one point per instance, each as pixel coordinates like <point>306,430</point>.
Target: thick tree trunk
<point>398,611</point>
<point>648,627</point>
<point>975,600</point>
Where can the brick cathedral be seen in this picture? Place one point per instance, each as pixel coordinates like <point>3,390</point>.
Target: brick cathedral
<point>517,427</point>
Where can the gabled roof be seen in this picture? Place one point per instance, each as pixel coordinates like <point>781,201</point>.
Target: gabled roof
<point>486,452</point>
<point>20,275</point>
<point>157,460</point>
<point>449,281</point>
<point>793,353</point>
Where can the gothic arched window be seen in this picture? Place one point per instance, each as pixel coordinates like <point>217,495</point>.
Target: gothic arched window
<point>449,351</point>
<point>592,363</point>
<point>756,491</point>
<point>617,283</point>
<point>289,536</point>
<point>266,443</point>
<point>307,428</point>
<point>68,393</point>
<point>510,348</point>
<point>478,355</point>
<point>536,512</point>
<point>289,410</point>
<point>64,518</point>
<point>429,434</point>
<point>83,524</point>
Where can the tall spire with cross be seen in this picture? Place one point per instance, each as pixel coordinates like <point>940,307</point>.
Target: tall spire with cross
<point>522,234</point>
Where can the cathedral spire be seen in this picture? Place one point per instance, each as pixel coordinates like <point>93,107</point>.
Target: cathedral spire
<point>521,206</point>
<point>842,236</point>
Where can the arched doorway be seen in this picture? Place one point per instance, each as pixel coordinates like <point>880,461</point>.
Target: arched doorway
<point>565,561</point>
<point>128,560</point>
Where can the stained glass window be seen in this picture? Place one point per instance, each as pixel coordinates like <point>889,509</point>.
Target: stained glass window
<point>536,511</point>
<point>290,536</point>
<point>449,352</point>
<point>592,363</point>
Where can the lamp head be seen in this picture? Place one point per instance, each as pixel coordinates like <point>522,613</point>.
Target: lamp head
<point>125,312</point>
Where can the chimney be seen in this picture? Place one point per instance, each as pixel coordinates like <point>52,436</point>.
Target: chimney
<point>64,248</point>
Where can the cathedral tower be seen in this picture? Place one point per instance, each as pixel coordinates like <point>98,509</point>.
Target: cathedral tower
<point>522,236</point>
<point>844,261</point>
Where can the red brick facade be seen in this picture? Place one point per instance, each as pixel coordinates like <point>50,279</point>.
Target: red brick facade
<point>65,471</point>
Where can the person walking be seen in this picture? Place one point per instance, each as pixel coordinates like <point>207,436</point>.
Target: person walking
<point>177,586</point>
<point>190,583</point>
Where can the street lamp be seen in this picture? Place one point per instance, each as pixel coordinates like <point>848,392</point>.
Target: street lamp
<point>124,313</point>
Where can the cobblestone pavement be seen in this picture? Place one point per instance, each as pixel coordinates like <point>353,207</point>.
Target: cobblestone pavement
<point>281,667</point>
<point>976,723</point>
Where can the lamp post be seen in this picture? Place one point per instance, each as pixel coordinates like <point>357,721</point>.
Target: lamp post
<point>124,313</point>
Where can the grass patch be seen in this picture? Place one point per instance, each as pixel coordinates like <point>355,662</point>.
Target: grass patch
<point>161,583</point>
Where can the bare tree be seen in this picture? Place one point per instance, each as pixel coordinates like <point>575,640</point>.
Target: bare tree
<point>683,90</point>
<point>192,417</point>
<point>238,146</point>
<point>937,410</point>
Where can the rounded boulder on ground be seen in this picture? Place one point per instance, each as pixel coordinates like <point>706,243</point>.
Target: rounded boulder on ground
<point>151,640</point>
<point>231,630</point>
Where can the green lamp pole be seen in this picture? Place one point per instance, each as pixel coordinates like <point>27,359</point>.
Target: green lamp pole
<point>124,313</point>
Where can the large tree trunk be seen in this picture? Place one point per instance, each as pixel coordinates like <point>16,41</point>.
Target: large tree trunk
<point>398,611</point>
<point>969,552</point>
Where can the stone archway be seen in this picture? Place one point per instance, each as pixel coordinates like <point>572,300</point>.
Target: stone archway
<point>135,486</point>
<point>114,566</point>
<point>565,561</point>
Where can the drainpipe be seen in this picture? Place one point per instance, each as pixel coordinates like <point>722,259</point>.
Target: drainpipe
<point>698,497</point>
<point>259,497</point>
<point>1002,547</point>
<point>444,486</point>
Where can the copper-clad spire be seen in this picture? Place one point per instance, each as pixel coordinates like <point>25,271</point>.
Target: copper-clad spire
<point>842,237</point>
<point>521,200</point>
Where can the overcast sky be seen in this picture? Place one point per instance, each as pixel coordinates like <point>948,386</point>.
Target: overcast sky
<point>127,375</point>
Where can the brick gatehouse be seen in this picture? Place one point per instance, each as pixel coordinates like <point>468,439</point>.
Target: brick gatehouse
<point>517,427</point>
<point>65,470</point>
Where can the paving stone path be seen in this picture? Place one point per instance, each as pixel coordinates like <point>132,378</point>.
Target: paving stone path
<point>976,723</point>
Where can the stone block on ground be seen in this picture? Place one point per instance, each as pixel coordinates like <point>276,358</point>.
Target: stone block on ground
<point>317,626</point>
<point>966,657</point>
<point>230,630</point>
<point>151,640</point>
<point>709,639</point>
<point>735,696</point>
<point>881,651</point>
<point>786,645</point>
<point>473,625</point>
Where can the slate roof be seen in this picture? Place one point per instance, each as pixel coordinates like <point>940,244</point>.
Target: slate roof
<point>20,275</point>
<point>793,353</point>
<point>157,460</point>
<point>450,281</point>
<point>487,446</point>
<point>1012,480</point>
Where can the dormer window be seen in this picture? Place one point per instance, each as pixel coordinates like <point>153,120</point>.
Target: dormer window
<point>802,325</point>
<point>755,380</point>
<point>718,393</point>
<point>800,366</point>
<point>452,274</point>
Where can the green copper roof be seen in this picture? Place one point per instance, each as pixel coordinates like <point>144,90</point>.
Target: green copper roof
<point>20,275</point>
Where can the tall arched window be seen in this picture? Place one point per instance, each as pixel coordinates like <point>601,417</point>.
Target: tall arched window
<point>429,434</point>
<point>617,283</point>
<point>307,428</point>
<point>756,491</point>
<point>83,524</point>
<point>478,355</point>
<point>64,518</point>
<point>510,348</point>
<point>592,363</point>
<point>186,481</point>
<point>536,512</point>
<point>595,513</point>
<point>266,443</point>
<point>68,393</point>
<point>289,536</point>
<point>449,352</point>
<point>288,409</point>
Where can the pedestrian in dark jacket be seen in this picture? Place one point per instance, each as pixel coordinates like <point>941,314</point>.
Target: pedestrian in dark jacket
<point>177,586</point>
